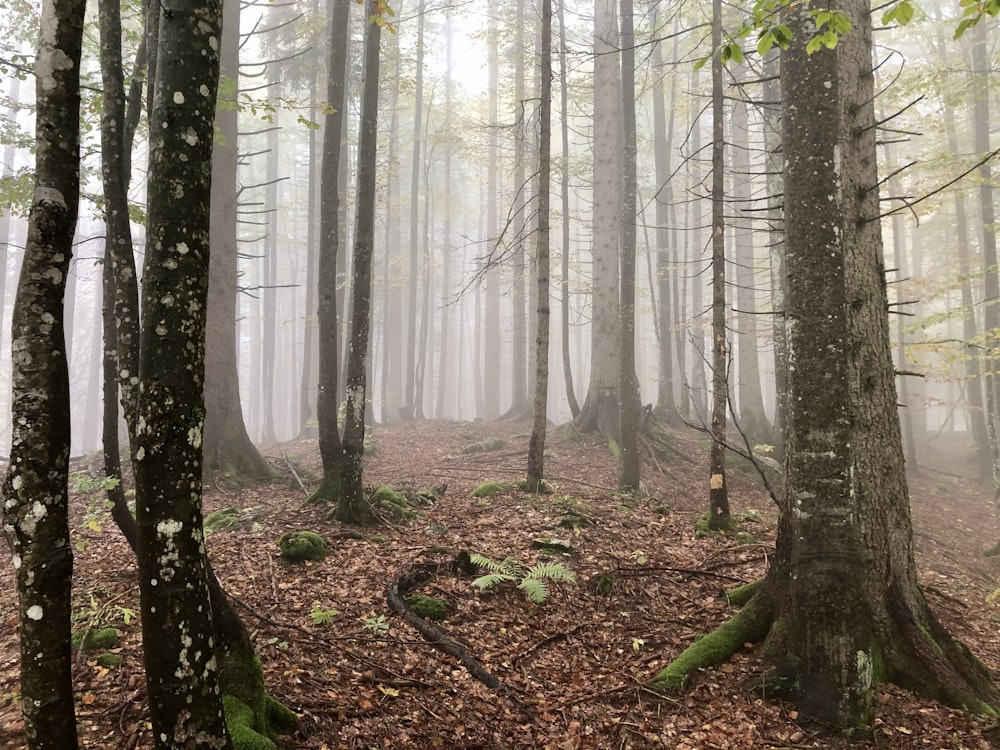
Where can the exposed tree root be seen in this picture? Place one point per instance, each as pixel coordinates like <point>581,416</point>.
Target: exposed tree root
<point>396,595</point>
<point>750,625</point>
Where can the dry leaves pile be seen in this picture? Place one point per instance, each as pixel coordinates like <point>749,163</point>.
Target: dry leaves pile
<point>573,669</point>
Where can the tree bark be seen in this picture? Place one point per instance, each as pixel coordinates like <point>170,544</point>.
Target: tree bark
<point>628,384</point>
<point>718,494</point>
<point>182,670</point>
<point>353,507</point>
<point>227,445</point>
<point>536,443</point>
<point>36,493</point>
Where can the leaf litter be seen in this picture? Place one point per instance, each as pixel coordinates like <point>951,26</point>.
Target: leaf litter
<point>573,669</point>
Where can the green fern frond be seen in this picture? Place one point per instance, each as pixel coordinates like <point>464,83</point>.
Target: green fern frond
<point>552,571</point>
<point>492,579</point>
<point>508,566</point>
<point>535,589</point>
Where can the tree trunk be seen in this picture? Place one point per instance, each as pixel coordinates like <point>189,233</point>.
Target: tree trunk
<point>182,670</point>
<point>848,610</point>
<point>750,398</point>
<point>574,406</point>
<point>666,405</point>
<point>776,241</point>
<point>490,338</point>
<point>410,403</point>
<point>330,446</point>
<point>353,507</point>
<point>536,444</point>
<point>600,409</point>
<point>718,494</point>
<point>628,384</point>
<point>36,493</point>
<point>227,446</point>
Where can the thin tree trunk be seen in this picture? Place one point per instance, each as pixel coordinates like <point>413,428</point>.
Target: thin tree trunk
<point>353,507</point>
<point>536,443</point>
<point>718,495</point>
<point>628,384</point>
<point>574,406</point>
<point>36,493</point>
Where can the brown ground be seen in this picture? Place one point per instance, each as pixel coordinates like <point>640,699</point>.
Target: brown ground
<point>578,662</point>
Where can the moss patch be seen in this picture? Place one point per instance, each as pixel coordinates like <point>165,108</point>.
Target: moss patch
<point>220,519</point>
<point>296,546</point>
<point>95,639</point>
<point>703,528</point>
<point>428,607</point>
<point>491,489</point>
<point>108,660</point>
<point>393,502</point>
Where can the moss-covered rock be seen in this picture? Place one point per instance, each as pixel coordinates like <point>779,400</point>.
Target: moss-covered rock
<point>428,607</point>
<point>296,546</point>
<point>552,545</point>
<point>491,489</point>
<point>95,639</point>
<point>393,502</point>
<point>220,519</point>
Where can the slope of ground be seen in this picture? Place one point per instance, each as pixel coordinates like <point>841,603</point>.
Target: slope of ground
<point>571,670</point>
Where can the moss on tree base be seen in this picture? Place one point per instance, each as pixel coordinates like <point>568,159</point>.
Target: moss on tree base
<point>749,625</point>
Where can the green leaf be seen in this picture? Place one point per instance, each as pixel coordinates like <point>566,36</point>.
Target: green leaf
<point>765,43</point>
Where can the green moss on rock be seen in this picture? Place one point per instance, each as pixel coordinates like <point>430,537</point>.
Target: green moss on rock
<point>296,546</point>
<point>394,503</point>
<point>428,607</point>
<point>486,446</point>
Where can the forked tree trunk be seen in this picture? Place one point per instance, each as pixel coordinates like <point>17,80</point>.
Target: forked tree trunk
<point>842,591</point>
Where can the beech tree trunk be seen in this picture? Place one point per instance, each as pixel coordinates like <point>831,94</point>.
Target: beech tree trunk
<point>599,412</point>
<point>182,669</point>
<point>718,494</point>
<point>353,507</point>
<point>36,493</point>
<point>227,445</point>
<point>536,444</point>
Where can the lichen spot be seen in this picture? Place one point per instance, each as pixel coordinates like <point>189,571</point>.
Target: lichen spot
<point>169,527</point>
<point>204,90</point>
<point>16,559</point>
<point>213,43</point>
<point>54,275</point>
<point>167,300</point>
<point>161,330</point>
<point>194,436</point>
<point>717,482</point>
<point>182,248</point>
<point>178,97</point>
<point>190,137</point>
<point>15,483</point>
<point>34,612</point>
<point>140,453</point>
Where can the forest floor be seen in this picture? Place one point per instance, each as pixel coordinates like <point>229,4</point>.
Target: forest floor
<point>573,669</point>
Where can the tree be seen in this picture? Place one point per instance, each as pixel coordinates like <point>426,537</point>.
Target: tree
<point>36,493</point>
<point>330,447</point>
<point>227,445</point>
<point>842,590</point>
<point>628,384</point>
<point>718,494</point>
<point>600,409</point>
<point>352,506</point>
<point>536,443</point>
<point>182,669</point>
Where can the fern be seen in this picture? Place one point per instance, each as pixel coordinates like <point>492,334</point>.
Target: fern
<point>533,581</point>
